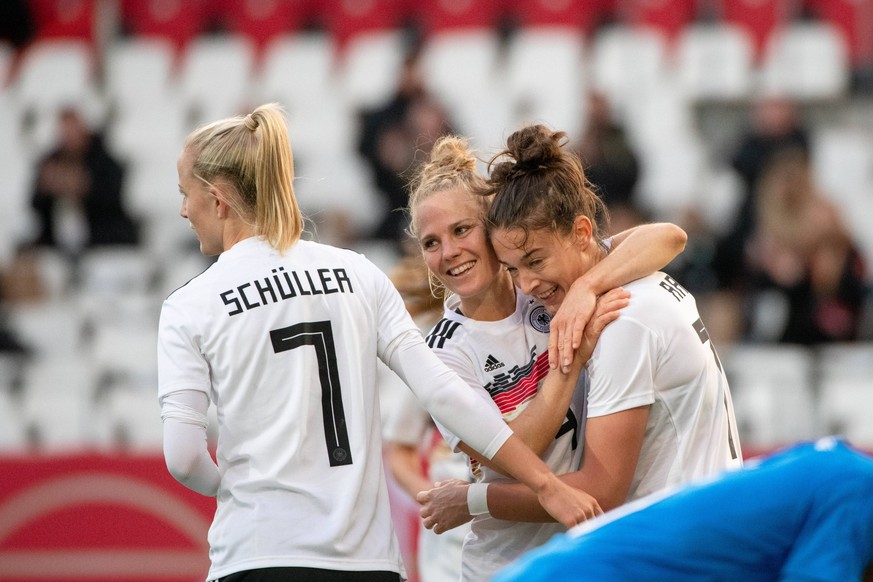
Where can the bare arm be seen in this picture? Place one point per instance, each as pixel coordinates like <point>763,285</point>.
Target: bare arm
<point>635,253</point>
<point>452,404</point>
<point>541,420</point>
<point>404,461</point>
<point>612,448</point>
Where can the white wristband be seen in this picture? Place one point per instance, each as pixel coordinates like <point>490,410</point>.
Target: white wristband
<point>477,498</point>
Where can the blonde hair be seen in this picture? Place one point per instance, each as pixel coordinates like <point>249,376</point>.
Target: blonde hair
<point>252,154</point>
<point>452,164</point>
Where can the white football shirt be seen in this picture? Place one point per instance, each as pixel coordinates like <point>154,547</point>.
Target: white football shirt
<point>505,362</point>
<point>659,353</point>
<point>286,348</point>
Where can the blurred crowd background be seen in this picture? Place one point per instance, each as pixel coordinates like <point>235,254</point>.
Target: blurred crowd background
<point>747,122</point>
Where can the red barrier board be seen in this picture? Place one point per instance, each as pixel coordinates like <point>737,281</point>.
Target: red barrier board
<point>93,517</point>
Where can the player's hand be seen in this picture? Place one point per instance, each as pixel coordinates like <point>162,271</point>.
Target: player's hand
<point>607,310</point>
<point>569,506</point>
<point>445,506</point>
<point>568,325</point>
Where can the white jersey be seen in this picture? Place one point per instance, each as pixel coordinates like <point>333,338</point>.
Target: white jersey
<point>286,347</point>
<point>658,353</point>
<point>505,362</point>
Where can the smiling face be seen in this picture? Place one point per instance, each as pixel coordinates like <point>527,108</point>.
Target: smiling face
<point>542,263</point>
<point>199,207</point>
<point>454,242</point>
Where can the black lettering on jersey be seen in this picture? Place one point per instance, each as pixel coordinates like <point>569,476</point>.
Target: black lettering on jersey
<point>231,301</point>
<point>571,424</point>
<point>673,287</point>
<point>441,332</point>
<point>263,290</point>
<point>282,292</point>
<point>704,337</point>
<point>342,277</point>
<point>245,299</point>
<point>282,285</point>
<point>299,285</point>
<point>324,275</point>
<point>312,286</point>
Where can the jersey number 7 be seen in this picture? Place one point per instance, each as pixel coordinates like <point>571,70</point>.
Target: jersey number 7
<point>319,335</point>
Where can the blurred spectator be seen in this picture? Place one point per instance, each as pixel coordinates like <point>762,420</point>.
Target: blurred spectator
<point>78,191</point>
<point>802,250</point>
<point>417,456</point>
<point>16,22</point>
<point>396,137</point>
<point>10,343</point>
<point>610,163</point>
<point>776,126</point>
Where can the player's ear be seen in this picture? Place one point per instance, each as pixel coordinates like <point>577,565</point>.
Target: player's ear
<point>220,205</point>
<point>582,229</point>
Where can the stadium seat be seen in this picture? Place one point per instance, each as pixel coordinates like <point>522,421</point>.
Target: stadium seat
<point>807,62</point>
<point>440,16</point>
<point>129,419</point>
<point>261,21</point>
<point>773,394</point>
<point>215,76</point>
<point>139,74</point>
<point>852,18</point>
<point>115,270</point>
<point>54,73</point>
<point>71,19</point>
<point>13,431</point>
<point>58,392</point>
<point>124,352</point>
<point>7,59</point>
<point>461,69</point>
<point>715,63</point>
<point>369,67</point>
<point>846,399</point>
<point>626,62</point>
<point>582,15</point>
<point>177,21</point>
<point>298,69</point>
<point>666,17</point>
<point>759,18</point>
<point>545,76</point>
<point>338,187</point>
<point>842,159</point>
<point>50,327</point>
<point>345,20</point>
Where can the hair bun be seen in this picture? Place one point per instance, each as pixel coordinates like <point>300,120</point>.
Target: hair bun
<point>535,147</point>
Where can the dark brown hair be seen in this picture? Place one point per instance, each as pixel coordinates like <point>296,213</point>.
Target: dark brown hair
<point>539,184</point>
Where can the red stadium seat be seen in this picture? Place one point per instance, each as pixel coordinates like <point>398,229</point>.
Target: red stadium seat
<point>63,18</point>
<point>582,14</point>
<point>344,19</point>
<point>669,17</point>
<point>854,19</point>
<point>263,20</point>
<point>175,20</point>
<point>759,18</point>
<point>439,15</point>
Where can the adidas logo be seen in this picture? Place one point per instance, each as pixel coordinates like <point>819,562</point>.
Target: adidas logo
<point>492,363</point>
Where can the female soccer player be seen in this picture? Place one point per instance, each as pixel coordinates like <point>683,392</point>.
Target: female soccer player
<point>496,338</point>
<point>282,335</point>
<point>658,410</point>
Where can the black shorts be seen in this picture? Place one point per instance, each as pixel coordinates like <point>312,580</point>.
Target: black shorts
<point>309,575</point>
